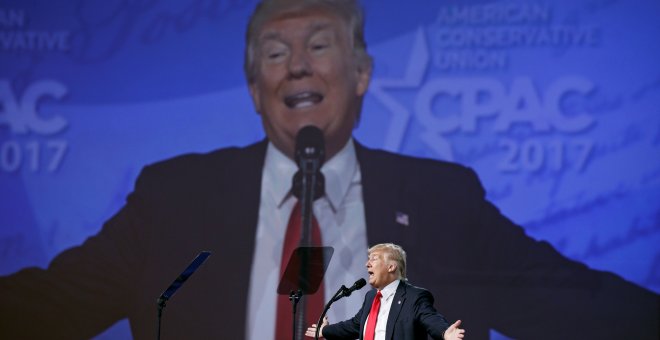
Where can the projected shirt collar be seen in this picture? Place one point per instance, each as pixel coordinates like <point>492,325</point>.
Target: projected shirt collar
<point>338,173</point>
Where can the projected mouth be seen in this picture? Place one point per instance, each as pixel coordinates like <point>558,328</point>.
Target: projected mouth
<point>302,100</point>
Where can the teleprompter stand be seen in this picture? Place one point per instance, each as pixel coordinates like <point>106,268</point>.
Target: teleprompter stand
<point>178,282</point>
<point>303,275</point>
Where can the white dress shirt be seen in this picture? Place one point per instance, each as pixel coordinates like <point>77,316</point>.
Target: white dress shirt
<point>384,311</point>
<point>341,218</point>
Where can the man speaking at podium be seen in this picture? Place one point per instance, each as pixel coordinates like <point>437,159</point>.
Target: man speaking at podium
<point>394,309</point>
<point>306,64</point>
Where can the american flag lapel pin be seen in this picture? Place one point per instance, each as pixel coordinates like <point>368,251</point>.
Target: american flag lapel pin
<point>402,219</point>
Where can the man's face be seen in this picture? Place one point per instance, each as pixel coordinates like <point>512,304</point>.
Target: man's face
<point>307,74</point>
<point>381,271</point>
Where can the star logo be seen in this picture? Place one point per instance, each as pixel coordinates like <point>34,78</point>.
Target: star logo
<point>413,77</point>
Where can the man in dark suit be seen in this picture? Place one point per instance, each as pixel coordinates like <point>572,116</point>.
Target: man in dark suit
<point>306,64</point>
<point>394,309</point>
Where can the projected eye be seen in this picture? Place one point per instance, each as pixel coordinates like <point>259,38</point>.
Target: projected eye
<point>319,47</point>
<point>274,51</point>
<point>275,55</point>
<point>320,42</point>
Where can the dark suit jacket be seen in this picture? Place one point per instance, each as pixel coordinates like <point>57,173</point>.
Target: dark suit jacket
<point>480,267</point>
<point>411,317</point>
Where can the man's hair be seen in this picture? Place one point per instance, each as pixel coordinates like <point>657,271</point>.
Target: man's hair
<point>349,10</point>
<point>393,252</point>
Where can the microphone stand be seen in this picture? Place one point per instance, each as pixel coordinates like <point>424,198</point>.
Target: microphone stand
<point>161,305</point>
<point>310,170</point>
<point>308,182</point>
<point>310,173</point>
<point>310,154</point>
<point>338,295</point>
<point>294,297</point>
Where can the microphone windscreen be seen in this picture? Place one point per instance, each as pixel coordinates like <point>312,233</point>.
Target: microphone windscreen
<point>310,144</point>
<point>360,283</point>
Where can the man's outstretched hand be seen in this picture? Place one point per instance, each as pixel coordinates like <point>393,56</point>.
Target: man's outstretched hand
<point>453,332</point>
<point>311,331</point>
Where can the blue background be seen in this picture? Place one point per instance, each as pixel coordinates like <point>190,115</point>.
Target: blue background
<point>556,105</point>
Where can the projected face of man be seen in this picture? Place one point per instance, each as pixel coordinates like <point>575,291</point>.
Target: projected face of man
<point>307,74</point>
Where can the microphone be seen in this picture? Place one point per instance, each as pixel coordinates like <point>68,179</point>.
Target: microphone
<point>342,292</point>
<point>309,144</point>
<point>356,286</point>
<point>308,182</point>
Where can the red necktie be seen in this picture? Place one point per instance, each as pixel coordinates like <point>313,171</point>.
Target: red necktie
<point>370,332</point>
<point>311,304</point>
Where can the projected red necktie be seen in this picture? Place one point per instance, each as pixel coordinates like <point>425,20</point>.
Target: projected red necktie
<point>313,304</point>
<point>370,331</point>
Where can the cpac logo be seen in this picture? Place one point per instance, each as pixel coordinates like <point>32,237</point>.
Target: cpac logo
<point>520,104</point>
<point>20,114</point>
<point>447,105</point>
